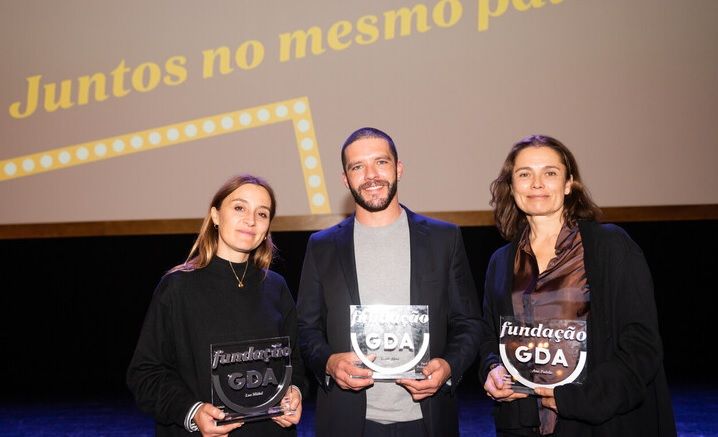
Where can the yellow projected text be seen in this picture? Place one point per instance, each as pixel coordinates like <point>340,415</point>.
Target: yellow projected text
<point>98,86</point>
<point>340,35</point>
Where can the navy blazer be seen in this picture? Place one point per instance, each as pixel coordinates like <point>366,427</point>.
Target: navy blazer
<point>440,278</point>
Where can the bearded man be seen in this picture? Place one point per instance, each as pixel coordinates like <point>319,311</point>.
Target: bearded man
<point>385,254</point>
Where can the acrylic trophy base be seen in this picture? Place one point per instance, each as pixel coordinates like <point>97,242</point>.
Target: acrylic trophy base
<point>518,388</point>
<point>391,377</point>
<point>234,417</point>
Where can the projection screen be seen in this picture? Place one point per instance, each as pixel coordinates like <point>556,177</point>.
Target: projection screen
<point>134,110</point>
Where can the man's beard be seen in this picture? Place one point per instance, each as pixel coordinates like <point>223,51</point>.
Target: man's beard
<point>374,205</point>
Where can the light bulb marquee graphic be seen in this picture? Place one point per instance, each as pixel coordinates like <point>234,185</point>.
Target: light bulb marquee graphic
<point>296,111</point>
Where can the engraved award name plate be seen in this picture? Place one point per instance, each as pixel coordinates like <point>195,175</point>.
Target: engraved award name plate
<point>543,353</point>
<point>397,335</point>
<point>249,378</point>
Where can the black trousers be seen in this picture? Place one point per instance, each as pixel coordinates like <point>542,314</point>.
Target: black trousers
<point>415,428</point>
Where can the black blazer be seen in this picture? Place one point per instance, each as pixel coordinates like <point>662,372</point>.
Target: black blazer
<point>625,392</point>
<point>440,278</point>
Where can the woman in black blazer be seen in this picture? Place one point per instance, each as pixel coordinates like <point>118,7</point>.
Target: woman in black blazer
<point>561,264</point>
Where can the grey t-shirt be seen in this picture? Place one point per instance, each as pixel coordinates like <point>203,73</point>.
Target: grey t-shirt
<point>383,263</point>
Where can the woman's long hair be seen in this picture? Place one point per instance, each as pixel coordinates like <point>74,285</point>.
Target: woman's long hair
<point>510,220</point>
<point>205,246</point>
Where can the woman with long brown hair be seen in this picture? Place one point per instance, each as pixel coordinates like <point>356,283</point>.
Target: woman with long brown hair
<point>562,268</point>
<point>224,292</point>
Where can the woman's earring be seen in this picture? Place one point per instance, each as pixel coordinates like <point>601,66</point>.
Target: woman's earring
<point>216,226</point>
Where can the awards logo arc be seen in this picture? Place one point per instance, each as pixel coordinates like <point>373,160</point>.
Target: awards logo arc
<point>380,369</point>
<point>242,409</point>
<point>517,375</point>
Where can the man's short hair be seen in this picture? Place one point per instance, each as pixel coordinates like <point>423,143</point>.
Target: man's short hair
<point>368,132</point>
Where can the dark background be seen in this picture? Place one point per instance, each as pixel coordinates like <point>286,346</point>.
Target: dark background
<point>72,308</point>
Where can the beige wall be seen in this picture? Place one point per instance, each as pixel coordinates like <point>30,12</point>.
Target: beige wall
<point>630,87</point>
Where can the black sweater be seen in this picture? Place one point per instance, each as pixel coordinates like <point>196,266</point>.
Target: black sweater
<point>170,370</point>
<point>625,393</point>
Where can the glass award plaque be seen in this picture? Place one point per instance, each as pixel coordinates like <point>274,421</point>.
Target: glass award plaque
<point>396,335</point>
<point>545,353</point>
<point>249,378</point>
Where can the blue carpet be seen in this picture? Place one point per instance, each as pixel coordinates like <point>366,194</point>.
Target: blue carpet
<point>696,411</point>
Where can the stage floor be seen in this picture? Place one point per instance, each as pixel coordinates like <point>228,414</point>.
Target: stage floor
<point>696,411</point>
